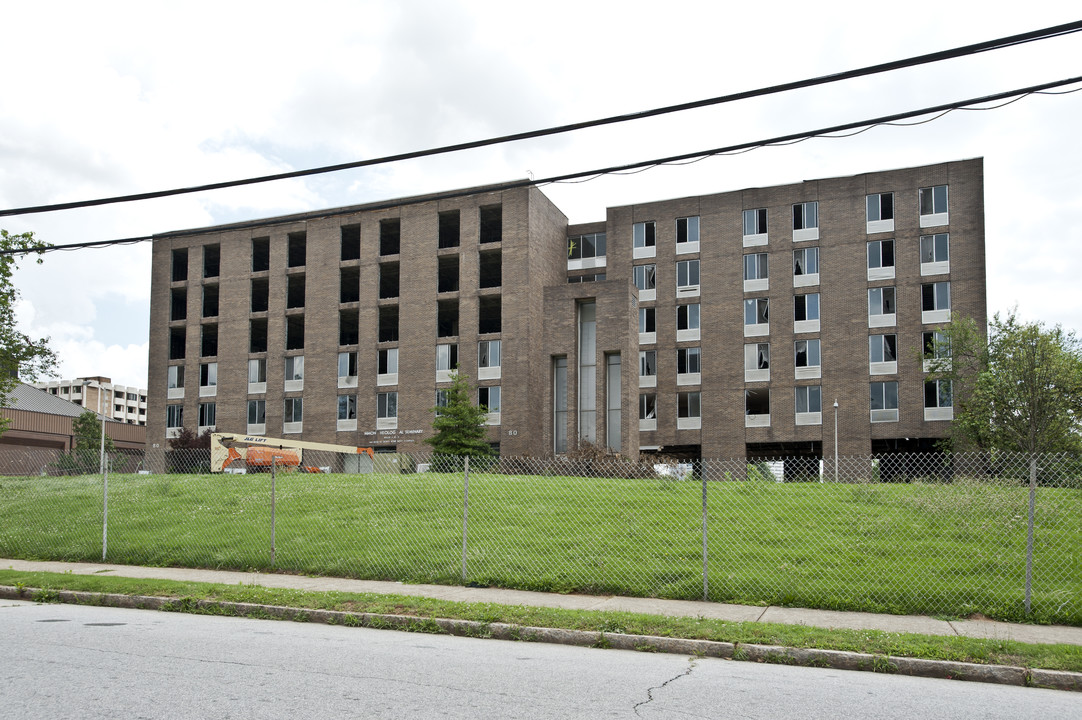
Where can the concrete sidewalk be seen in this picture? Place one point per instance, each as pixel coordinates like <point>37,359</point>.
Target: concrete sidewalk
<point>1039,634</point>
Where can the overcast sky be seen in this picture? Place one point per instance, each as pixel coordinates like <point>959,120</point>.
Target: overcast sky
<point>100,99</point>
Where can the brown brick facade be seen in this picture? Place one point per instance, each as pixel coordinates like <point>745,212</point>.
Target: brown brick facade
<point>539,320</point>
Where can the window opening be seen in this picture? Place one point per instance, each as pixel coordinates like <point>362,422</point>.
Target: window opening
<point>388,280</point>
<point>390,232</point>
<point>294,332</point>
<point>449,229</point>
<point>491,219</point>
<point>351,242</point>
<point>180,264</point>
<point>490,267</point>
<point>349,285</point>
<point>260,254</point>
<point>447,318</point>
<point>295,290</point>
<point>297,248</point>
<point>447,273</point>
<point>489,314</point>
<point>257,335</point>
<point>388,323</point>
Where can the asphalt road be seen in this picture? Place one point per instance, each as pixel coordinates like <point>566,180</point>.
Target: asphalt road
<point>64,661</point>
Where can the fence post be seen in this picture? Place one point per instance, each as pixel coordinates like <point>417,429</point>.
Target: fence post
<point>1029,531</point>
<point>706,581</point>
<point>274,476</point>
<point>105,510</point>
<point>465,512</point>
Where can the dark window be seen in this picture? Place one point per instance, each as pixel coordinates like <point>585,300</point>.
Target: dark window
<point>447,280</point>
<point>447,318</point>
<point>757,402</point>
<point>351,242</point>
<point>180,264</point>
<point>348,321</point>
<point>449,229</point>
<point>389,236</point>
<point>349,285</point>
<point>388,323</point>
<point>260,254</point>
<point>388,280</point>
<point>177,337</point>
<point>212,260</point>
<point>260,294</point>
<point>295,291</point>
<point>298,243</point>
<point>491,223</point>
<point>294,332</point>
<point>490,268</point>
<point>489,311</point>
<point>210,301</point>
<point>178,304</point>
<point>209,344</point>
<point>257,335</point>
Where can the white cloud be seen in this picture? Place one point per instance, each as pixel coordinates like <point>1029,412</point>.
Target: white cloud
<point>105,102</point>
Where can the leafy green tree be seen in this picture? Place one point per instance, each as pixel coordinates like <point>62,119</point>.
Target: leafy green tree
<point>1018,390</point>
<point>87,431</point>
<point>85,457</point>
<point>459,425</point>
<point>19,354</point>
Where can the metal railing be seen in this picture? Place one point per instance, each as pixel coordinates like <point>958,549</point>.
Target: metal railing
<point>956,534</point>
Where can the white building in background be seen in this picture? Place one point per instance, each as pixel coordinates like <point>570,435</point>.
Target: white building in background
<point>120,402</point>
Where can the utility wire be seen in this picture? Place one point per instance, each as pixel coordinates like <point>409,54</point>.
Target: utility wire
<point>688,158</point>
<point>988,45</point>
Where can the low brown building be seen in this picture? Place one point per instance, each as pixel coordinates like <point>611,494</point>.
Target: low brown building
<point>40,428</point>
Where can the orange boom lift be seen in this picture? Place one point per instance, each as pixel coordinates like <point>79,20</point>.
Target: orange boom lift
<point>257,451</point>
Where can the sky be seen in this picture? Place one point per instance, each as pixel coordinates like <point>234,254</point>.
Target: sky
<point>109,98</point>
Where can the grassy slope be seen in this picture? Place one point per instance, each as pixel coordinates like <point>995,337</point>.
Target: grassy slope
<point>928,549</point>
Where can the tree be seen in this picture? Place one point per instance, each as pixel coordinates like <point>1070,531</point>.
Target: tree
<point>87,431</point>
<point>186,439</point>
<point>189,452</point>
<point>1019,390</point>
<point>459,425</point>
<point>20,355</point>
<point>85,457</point>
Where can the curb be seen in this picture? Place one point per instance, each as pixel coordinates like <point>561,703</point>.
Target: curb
<point>807,657</point>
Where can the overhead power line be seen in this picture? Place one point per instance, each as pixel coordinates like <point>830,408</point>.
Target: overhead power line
<point>937,110</point>
<point>986,46</point>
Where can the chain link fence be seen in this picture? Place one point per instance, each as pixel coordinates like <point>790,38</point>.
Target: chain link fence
<point>956,534</point>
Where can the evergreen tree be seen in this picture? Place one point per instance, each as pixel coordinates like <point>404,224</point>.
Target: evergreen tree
<point>459,425</point>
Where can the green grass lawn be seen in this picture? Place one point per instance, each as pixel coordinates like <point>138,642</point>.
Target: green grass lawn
<point>936,549</point>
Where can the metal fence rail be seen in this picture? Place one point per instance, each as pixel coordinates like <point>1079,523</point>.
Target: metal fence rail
<point>935,534</point>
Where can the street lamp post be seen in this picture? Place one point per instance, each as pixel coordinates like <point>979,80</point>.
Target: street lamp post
<point>101,457</point>
<point>835,440</point>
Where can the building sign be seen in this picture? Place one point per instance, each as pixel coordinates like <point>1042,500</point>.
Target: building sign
<point>395,436</point>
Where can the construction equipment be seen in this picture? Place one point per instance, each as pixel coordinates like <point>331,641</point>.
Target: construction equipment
<point>259,452</point>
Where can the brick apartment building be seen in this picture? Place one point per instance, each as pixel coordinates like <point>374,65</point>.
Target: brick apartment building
<point>716,326</point>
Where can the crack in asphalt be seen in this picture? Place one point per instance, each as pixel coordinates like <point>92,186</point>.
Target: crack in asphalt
<point>650,691</point>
